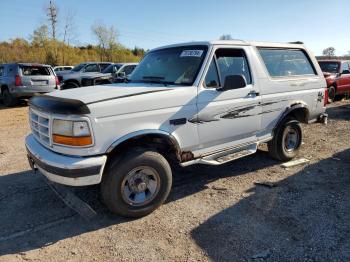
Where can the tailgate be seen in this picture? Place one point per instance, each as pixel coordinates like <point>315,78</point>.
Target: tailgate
<point>38,77</point>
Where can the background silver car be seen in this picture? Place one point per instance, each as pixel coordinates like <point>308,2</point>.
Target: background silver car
<point>23,80</point>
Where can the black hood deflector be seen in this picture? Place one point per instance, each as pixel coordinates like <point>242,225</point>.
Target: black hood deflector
<point>59,105</point>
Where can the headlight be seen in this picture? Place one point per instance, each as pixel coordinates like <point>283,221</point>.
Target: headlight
<point>72,133</point>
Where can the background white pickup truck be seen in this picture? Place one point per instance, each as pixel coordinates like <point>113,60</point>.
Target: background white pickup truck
<point>201,102</point>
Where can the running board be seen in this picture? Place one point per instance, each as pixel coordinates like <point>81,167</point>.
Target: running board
<point>223,157</point>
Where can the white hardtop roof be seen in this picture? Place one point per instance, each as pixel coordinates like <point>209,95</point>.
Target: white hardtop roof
<point>237,42</point>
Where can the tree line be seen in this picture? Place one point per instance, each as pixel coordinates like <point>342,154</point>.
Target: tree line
<point>47,46</point>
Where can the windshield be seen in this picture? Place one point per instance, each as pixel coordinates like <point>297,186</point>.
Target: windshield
<point>176,66</point>
<point>109,69</point>
<point>330,67</point>
<point>77,68</point>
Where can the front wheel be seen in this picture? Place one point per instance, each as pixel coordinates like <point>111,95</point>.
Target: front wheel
<point>286,141</point>
<point>137,184</point>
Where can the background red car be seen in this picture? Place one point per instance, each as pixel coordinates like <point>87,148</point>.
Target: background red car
<point>337,74</point>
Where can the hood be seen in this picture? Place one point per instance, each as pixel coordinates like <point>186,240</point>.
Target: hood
<point>95,94</point>
<point>128,98</point>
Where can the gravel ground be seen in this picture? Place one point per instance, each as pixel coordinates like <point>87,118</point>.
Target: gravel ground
<point>213,213</point>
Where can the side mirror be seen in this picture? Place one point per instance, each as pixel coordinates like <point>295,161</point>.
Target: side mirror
<point>121,74</point>
<point>234,82</point>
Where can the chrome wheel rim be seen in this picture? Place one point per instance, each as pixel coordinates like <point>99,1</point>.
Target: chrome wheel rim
<point>291,139</point>
<point>140,186</point>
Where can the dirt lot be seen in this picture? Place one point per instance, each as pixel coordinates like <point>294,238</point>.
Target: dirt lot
<point>213,213</point>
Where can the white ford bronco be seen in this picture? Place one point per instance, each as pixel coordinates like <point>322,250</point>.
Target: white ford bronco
<point>194,103</point>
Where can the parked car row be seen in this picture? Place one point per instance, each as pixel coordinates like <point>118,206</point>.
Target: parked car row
<point>86,74</point>
<point>337,74</point>
<point>23,80</point>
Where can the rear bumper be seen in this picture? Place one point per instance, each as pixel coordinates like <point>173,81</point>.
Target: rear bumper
<point>62,169</point>
<point>20,91</point>
<point>322,118</point>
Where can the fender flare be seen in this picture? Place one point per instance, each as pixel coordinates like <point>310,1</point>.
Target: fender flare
<point>144,132</point>
<point>72,81</point>
<point>291,108</point>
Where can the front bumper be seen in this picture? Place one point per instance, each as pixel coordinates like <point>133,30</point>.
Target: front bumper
<point>62,169</point>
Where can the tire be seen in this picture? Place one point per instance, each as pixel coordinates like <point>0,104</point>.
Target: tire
<point>8,99</point>
<point>140,174</point>
<point>281,147</point>
<point>69,85</point>
<point>331,94</point>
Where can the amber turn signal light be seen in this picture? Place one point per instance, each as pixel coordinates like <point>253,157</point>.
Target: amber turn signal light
<point>72,141</point>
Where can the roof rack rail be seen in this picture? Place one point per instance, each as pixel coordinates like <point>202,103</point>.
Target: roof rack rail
<point>296,42</point>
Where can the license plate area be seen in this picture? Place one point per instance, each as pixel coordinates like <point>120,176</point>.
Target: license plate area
<point>39,82</point>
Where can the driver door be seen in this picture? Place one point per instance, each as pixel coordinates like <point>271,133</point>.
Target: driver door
<point>232,117</point>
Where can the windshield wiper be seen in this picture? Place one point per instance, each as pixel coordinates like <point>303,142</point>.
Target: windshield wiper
<point>156,80</point>
<point>153,77</point>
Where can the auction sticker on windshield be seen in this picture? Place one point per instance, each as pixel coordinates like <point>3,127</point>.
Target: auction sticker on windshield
<point>195,53</point>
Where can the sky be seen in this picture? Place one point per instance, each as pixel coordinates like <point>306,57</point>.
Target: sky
<point>152,23</point>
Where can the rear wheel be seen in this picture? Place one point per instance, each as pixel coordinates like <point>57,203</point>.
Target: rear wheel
<point>287,140</point>
<point>8,98</point>
<point>331,94</point>
<point>136,184</point>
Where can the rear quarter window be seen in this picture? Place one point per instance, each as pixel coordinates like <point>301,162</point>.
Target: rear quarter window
<point>287,62</point>
<point>35,71</point>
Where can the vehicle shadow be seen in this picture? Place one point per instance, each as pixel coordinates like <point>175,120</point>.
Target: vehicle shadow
<point>32,216</point>
<point>305,217</point>
<point>21,103</point>
<point>341,112</point>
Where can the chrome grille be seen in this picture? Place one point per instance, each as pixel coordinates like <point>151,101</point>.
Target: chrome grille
<point>40,125</point>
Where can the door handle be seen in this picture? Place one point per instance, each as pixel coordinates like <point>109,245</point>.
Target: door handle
<point>253,93</point>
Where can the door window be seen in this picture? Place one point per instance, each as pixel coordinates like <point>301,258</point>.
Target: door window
<point>229,62</point>
<point>92,68</point>
<point>128,69</point>
<point>346,69</point>
<point>104,66</point>
<point>232,62</point>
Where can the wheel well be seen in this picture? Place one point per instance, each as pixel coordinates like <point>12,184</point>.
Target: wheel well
<point>163,144</point>
<point>300,113</point>
<point>3,87</point>
<point>72,81</point>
